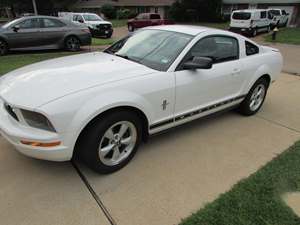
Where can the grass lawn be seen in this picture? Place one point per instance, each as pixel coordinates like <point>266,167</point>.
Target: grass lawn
<point>119,23</point>
<point>257,199</point>
<point>13,61</point>
<point>286,35</point>
<point>101,41</point>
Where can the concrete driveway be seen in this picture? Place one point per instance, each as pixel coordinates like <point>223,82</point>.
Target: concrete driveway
<point>173,175</point>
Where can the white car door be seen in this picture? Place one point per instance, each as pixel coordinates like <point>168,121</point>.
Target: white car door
<point>198,89</point>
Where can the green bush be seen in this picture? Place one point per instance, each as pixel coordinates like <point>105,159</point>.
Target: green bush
<point>125,14</point>
<point>109,11</point>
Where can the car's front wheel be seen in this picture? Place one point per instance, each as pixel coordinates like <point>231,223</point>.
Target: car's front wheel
<point>3,47</point>
<point>72,44</point>
<point>110,143</point>
<point>255,98</point>
<point>130,28</point>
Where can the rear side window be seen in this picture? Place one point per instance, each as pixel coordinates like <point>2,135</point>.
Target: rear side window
<point>51,23</point>
<point>251,49</point>
<point>263,14</point>
<point>154,16</point>
<point>218,48</point>
<point>241,16</point>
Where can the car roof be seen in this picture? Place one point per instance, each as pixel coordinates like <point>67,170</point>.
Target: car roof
<point>185,29</point>
<point>39,16</point>
<point>250,10</point>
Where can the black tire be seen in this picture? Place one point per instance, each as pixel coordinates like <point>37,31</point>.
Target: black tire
<point>95,135</point>
<point>72,43</point>
<point>245,107</point>
<point>130,28</point>
<point>254,32</point>
<point>3,47</point>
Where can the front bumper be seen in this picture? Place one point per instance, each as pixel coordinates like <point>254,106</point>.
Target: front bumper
<point>101,32</point>
<point>14,132</point>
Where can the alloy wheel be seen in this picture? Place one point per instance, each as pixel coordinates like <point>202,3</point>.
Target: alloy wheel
<point>73,44</point>
<point>257,97</point>
<point>117,143</point>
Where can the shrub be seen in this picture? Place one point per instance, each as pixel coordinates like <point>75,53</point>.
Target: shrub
<point>125,14</point>
<point>109,11</point>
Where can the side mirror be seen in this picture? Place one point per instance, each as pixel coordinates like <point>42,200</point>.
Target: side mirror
<point>198,63</point>
<point>80,21</point>
<point>16,28</point>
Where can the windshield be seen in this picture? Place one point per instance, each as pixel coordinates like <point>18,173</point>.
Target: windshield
<point>153,48</point>
<point>241,16</point>
<point>275,12</point>
<point>7,25</point>
<point>92,17</point>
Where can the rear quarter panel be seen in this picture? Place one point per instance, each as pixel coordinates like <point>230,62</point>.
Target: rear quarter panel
<point>268,62</point>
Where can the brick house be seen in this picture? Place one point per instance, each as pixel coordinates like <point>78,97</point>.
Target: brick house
<point>290,6</point>
<point>138,6</point>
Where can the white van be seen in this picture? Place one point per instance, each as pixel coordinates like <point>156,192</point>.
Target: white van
<point>97,25</point>
<point>250,21</point>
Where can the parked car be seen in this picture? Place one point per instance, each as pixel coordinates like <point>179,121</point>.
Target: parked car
<point>97,25</point>
<point>42,32</point>
<point>279,17</point>
<point>250,21</point>
<point>146,20</point>
<point>100,106</point>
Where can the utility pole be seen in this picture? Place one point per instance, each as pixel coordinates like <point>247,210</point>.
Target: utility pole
<point>34,7</point>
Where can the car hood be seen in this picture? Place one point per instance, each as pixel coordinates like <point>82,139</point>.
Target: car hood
<point>97,22</point>
<point>38,84</point>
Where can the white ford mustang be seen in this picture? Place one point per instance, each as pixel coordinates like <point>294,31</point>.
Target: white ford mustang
<point>101,105</point>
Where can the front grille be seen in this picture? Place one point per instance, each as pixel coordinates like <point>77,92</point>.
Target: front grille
<point>10,111</point>
<point>104,26</point>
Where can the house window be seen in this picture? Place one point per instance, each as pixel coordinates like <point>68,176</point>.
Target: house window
<point>156,9</point>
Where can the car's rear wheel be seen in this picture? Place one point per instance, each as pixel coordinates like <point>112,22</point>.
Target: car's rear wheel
<point>255,98</point>
<point>72,44</point>
<point>111,142</point>
<point>3,47</point>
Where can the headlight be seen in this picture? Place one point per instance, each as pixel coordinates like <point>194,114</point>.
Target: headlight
<point>37,120</point>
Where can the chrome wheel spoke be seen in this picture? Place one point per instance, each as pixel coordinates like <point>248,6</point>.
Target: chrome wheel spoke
<point>105,150</point>
<point>126,141</point>
<point>109,134</point>
<point>123,130</point>
<point>116,154</point>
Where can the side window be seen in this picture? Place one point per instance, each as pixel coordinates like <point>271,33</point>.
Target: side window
<point>154,16</point>
<point>251,49</point>
<point>284,12</point>
<point>49,23</point>
<point>263,14</point>
<point>30,24</point>
<point>218,48</point>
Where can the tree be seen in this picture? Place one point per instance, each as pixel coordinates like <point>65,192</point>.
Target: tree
<point>109,11</point>
<point>44,7</point>
<point>196,10</point>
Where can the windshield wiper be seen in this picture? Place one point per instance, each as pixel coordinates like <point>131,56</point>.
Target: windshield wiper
<point>127,57</point>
